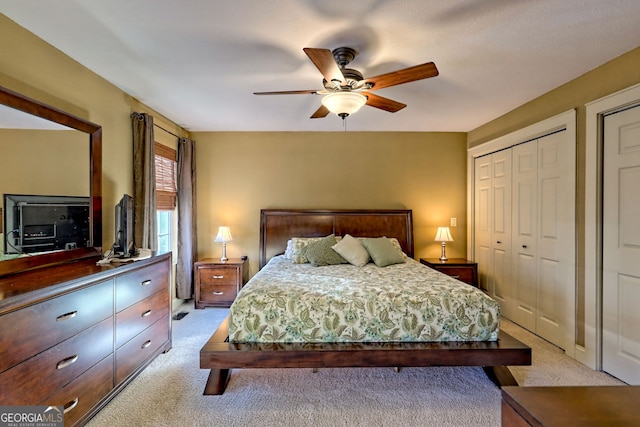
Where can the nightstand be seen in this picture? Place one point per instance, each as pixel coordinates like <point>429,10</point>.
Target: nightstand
<point>217,283</point>
<point>458,268</point>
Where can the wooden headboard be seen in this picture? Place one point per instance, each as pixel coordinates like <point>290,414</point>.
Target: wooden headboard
<point>277,226</point>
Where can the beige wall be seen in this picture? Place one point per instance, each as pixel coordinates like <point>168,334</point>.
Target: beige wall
<point>240,173</point>
<point>611,77</point>
<point>33,68</point>
<point>25,153</point>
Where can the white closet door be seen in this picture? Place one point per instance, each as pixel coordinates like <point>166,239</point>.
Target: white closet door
<point>501,228</point>
<point>556,241</point>
<point>524,222</point>
<point>482,220</point>
<point>621,246</point>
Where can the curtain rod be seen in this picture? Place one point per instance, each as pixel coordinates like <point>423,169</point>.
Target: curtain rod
<point>169,132</point>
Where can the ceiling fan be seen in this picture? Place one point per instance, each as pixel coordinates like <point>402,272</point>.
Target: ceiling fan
<point>346,90</point>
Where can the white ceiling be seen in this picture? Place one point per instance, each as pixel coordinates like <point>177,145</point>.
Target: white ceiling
<point>198,61</point>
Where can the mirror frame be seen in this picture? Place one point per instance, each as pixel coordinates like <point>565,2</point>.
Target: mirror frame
<point>17,101</point>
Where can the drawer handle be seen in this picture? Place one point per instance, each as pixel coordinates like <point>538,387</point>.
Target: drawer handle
<point>146,282</point>
<point>456,277</point>
<point>146,344</point>
<point>69,406</point>
<point>524,246</point>
<point>66,362</point>
<point>218,277</point>
<point>217,293</point>
<point>146,313</point>
<point>66,316</point>
<point>499,242</point>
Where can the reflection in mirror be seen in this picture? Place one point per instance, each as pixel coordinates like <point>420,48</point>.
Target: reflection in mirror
<point>46,152</point>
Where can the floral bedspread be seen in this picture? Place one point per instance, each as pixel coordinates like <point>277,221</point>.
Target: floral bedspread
<point>286,302</point>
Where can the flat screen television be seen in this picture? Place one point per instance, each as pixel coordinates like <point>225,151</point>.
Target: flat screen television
<point>124,246</point>
<point>34,223</point>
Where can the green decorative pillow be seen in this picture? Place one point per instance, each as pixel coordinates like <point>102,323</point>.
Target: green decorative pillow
<point>352,250</point>
<point>383,252</point>
<point>295,249</point>
<point>320,252</point>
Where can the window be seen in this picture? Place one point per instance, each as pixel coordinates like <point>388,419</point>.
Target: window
<point>164,231</point>
<point>166,192</point>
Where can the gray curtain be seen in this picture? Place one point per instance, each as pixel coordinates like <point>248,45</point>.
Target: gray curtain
<point>187,236</point>
<point>144,182</point>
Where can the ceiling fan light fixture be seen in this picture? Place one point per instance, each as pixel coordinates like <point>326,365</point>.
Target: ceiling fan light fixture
<point>344,104</point>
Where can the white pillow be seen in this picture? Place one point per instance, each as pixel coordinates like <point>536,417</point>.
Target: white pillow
<point>352,250</point>
<point>288,253</point>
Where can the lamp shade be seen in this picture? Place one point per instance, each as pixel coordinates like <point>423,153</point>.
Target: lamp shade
<point>224,234</point>
<point>344,103</point>
<point>443,235</point>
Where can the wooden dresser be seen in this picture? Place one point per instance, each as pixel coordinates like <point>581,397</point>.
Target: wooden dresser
<point>574,406</point>
<point>74,335</point>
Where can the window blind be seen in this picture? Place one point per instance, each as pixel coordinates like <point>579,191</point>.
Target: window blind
<point>166,190</point>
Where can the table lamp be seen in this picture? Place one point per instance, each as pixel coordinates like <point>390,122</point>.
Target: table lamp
<point>443,235</point>
<point>224,236</point>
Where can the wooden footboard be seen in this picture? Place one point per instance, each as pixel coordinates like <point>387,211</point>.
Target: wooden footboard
<point>219,355</point>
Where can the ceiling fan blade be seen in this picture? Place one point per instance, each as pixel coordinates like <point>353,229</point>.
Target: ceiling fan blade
<point>288,92</point>
<point>383,103</point>
<point>320,113</point>
<point>411,74</point>
<point>325,62</point>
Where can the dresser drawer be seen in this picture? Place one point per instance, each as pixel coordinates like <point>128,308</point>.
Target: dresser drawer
<point>140,348</point>
<point>137,285</point>
<point>83,393</point>
<point>135,319</point>
<point>461,273</point>
<point>27,332</point>
<point>23,384</point>
<point>218,293</point>
<point>218,275</point>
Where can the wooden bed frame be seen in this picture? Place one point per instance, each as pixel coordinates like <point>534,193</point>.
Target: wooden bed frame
<point>276,227</point>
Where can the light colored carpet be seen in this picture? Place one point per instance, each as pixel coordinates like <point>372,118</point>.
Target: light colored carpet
<point>169,391</point>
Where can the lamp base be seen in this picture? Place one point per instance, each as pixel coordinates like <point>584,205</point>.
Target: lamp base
<point>224,258</point>
<point>443,256</point>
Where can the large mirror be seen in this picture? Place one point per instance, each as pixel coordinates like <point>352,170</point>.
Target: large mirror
<point>48,154</point>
